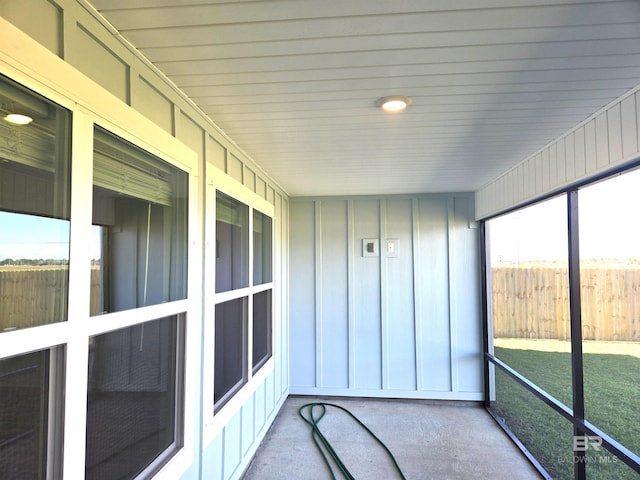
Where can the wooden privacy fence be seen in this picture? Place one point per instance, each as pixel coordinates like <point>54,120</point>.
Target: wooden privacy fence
<point>31,296</point>
<point>532,301</point>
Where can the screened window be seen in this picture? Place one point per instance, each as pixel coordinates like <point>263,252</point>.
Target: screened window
<point>232,243</point>
<point>610,298</point>
<point>243,305</point>
<point>34,208</point>
<point>262,247</point>
<point>28,436</point>
<point>562,306</point>
<point>262,328</point>
<point>230,349</point>
<point>134,395</point>
<point>140,228</point>
<point>139,258</point>
<point>530,294</point>
<point>130,233</point>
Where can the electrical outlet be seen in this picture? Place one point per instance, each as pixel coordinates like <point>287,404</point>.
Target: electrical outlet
<point>393,246</point>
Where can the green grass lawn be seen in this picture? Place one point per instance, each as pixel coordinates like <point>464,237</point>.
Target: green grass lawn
<point>612,400</point>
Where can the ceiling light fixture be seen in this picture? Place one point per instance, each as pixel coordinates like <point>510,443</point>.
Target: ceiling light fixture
<point>18,119</point>
<point>394,103</point>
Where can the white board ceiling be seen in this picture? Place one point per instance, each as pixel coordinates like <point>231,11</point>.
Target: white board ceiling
<point>294,82</point>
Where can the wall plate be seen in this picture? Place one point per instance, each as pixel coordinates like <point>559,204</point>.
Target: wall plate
<point>370,247</point>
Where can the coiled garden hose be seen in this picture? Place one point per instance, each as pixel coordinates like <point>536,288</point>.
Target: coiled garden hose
<point>321,441</point>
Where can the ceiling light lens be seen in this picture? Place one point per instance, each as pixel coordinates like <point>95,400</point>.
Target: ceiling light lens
<point>18,119</point>
<point>394,106</point>
<point>394,103</point>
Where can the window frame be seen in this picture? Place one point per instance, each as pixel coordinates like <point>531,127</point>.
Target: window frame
<point>574,413</point>
<point>154,141</point>
<point>214,421</point>
<point>25,62</point>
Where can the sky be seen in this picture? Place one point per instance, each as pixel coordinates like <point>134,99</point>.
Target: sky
<point>33,237</point>
<point>609,227</point>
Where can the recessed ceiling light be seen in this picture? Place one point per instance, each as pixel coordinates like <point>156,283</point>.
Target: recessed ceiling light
<point>18,119</point>
<point>394,103</point>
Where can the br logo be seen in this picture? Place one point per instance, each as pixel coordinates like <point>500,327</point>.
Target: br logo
<point>582,443</point>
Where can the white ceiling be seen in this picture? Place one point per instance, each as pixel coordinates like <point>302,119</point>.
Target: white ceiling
<point>294,82</point>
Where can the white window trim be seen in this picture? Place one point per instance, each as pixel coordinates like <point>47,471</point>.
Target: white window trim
<point>219,181</point>
<point>25,61</point>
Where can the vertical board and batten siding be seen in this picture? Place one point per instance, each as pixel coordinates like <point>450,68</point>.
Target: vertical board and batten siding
<point>81,38</point>
<point>608,140</point>
<point>403,324</point>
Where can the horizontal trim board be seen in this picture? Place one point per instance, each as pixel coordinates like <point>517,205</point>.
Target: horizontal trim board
<point>399,394</point>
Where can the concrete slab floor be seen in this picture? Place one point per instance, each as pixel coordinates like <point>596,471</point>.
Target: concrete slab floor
<point>430,440</point>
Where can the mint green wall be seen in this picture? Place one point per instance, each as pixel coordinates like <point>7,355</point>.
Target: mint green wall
<point>404,324</point>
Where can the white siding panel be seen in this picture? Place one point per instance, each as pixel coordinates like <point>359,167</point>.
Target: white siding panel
<point>590,147</point>
<point>248,416</point>
<point>580,157</point>
<point>212,460</point>
<point>189,133</point>
<point>333,344</point>
<point>258,414</point>
<point>602,140</point>
<point>102,65</point>
<point>366,286</point>
<point>249,179</point>
<point>465,267</point>
<point>539,172</point>
<point>270,401</point>
<point>553,164</point>
<point>155,106</point>
<point>216,154</point>
<point>637,97</point>
<point>561,171</point>
<point>261,187</point>
<point>520,181</point>
<point>432,274</point>
<point>283,308</point>
<point>46,30</point>
<point>629,122</point>
<point>613,135</point>
<point>527,179</point>
<point>234,167</point>
<point>398,313</point>
<point>302,271</point>
<point>570,145</point>
<point>232,452</point>
<point>546,166</point>
<point>530,179</point>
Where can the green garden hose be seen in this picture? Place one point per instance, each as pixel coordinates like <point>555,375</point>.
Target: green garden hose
<point>321,441</point>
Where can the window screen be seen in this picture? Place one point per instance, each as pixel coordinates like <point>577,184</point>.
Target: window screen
<point>27,393</point>
<point>139,241</point>
<point>230,349</point>
<point>232,243</point>
<point>262,326</point>
<point>262,246</point>
<point>134,386</point>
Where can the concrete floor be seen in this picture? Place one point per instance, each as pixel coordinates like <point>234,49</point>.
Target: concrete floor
<point>429,440</point>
